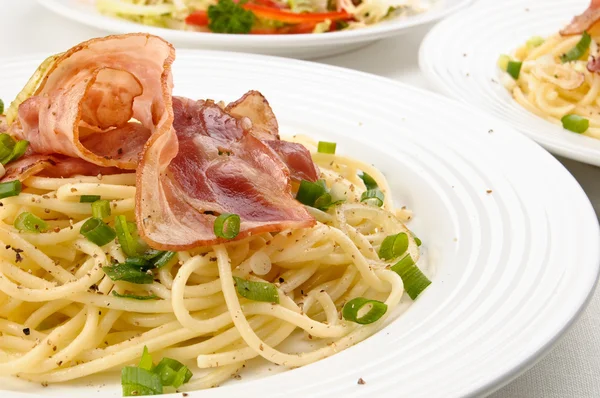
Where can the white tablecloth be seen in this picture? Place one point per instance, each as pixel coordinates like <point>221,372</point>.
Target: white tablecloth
<point>571,369</point>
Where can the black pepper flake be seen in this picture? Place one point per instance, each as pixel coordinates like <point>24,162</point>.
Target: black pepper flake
<point>281,280</point>
<point>489,191</point>
<point>120,151</point>
<point>18,257</point>
<point>213,259</point>
<point>361,381</point>
<point>26,331</point>
<point>185,394</point>
<point>7,247</point>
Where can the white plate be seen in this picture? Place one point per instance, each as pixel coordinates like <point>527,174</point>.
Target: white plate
<point>297,46</point>
<point>466,68</point>
<point>515,266</point>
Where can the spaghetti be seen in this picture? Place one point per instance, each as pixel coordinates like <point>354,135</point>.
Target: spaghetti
<point>60,319</point>
<point>557,78</point>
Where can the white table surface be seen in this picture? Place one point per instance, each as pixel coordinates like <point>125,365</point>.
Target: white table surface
<point>571,369</point>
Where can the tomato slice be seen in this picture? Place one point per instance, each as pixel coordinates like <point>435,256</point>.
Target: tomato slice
<point>199,18</point>
<point>294,18</point>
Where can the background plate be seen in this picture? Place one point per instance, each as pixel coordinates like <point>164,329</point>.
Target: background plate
<point>298,46</point>
<point>515,243</point>
<point>467,70</point>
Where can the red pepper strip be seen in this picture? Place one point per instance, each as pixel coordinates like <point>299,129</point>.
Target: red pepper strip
<point>291,17</point>
<point>199,18</point>
<point>305,27</point>
<point>271,4</point>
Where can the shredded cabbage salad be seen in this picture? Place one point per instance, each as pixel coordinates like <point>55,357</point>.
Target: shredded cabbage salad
<point>258,16</point>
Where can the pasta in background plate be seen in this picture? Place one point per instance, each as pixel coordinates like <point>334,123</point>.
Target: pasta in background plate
<point>558,78</point>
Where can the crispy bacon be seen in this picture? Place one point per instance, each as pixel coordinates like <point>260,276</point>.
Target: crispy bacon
<point>255,107</point>
<point>83,106</point>
<point>53,166</point>
<point>219,167</point>
<point>585,21</point>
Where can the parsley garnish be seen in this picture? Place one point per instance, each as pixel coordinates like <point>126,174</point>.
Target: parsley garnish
<point>229,17</point>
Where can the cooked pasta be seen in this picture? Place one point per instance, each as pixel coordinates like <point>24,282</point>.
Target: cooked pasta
<point>62,317</point>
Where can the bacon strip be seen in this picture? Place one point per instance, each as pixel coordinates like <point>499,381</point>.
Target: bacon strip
<point>585,21</point>
<point>219,167</point>
<point>83,106</point>
<point>255,107</point>
<point>53,166</point>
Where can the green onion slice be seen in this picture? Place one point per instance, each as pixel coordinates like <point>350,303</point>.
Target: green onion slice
<point>163,259</point>
<point>227,225</point>
<point>135,296</point>
<point>10,188</point>
<point>309,192</point>
<point>7,144</point>
<point>101,209</point>
<point>393,246</point>
<point>575,123</point>
<point>88,198</point>
<point>580,48</point>
<point>126,236</point>
<point>128,273</point>
<point>503,61</point>
<point>256,291</point>
<point>534,42</point>
<point>514,69</point>
<point>414,280</point>
<point>17,151</point>
<point>146,360</point>
<point>97,231</point>
<point>30,223</point>
<point>417,240</point>
<point>369,181</point>
<point>326,147</point>
<point>373,195</point>
<point>1,107</point>
<point>352,308</point>
<point>172,372</point>
<point>137,381</point>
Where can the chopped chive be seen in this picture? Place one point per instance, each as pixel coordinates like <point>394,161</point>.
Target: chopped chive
<point>18,151</point>
<point>89,198</point>
<point>135,296</point>
<point>97,231</point>
<point>534,42</point>
<point>417,240</point>
<point>256,291</point>
<point>352,308</point>
<point>393,246</point>
<point>514,69</point>
<point>146,360</point>
<point>173,373</point>
<point>414,280</point>
<point>1,107</point>
<point>137,381</point>
<point>10,188</point>
<point>7,144</point>
<point>227,225</point>
<point>575,123</point>
<point>326,147</point>
<point>126,236</point>
<point>374,196</point>
<point>163,259</point>
<point>369,181</point>
<point>30,223</point>
<point>579,50</point>
<point>128,273</point>
<point>309,192</point>
<point>503,61</point>
<point>101,209</point>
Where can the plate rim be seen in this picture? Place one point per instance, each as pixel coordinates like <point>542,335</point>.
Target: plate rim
<point>499,379</point>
